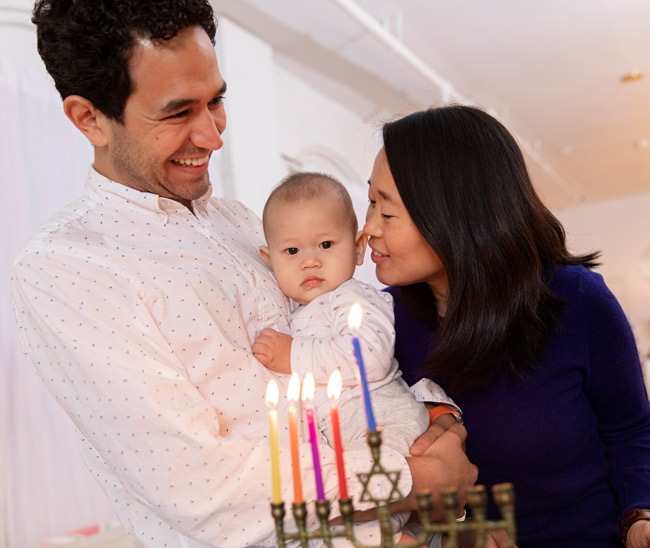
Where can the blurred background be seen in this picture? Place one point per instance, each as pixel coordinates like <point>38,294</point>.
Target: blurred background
<point>310,83</point>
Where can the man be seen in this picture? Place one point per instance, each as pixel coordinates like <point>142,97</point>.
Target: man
<point>138,303</point>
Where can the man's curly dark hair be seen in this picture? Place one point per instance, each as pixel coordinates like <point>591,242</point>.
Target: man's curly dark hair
<point>86,44</point>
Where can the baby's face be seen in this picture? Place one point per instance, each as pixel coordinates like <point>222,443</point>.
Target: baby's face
<point>312,247</point>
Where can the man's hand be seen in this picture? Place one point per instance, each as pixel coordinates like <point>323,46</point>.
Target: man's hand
<point>443,466</point>
<point>435,430</point>
<point>273,349</point>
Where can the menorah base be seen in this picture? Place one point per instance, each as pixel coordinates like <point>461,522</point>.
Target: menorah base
<point>473,532</point>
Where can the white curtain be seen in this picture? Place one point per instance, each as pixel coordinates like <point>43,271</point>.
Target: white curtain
<point>45,488</point>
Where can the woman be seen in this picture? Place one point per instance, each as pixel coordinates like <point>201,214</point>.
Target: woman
<point>522,334</point>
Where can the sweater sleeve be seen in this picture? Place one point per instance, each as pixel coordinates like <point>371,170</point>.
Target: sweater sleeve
<point>616,390</point>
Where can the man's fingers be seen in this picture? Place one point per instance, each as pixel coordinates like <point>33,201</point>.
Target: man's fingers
<point>432,433</point>
<point>420,445</point>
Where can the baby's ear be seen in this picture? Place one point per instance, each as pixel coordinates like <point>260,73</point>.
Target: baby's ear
<point>264,252</point>
<point>360,242</point>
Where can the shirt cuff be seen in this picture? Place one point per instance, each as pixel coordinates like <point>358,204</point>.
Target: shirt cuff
<point>425,390</point>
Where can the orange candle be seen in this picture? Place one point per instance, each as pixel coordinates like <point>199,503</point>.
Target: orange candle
<point>333,392</point>
<point>293,393</point>
<point>271,401</point>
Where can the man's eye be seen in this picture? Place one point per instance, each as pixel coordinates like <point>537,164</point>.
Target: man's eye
<point>180,114</point>
<point>291,250</point>
<point>325,245</point>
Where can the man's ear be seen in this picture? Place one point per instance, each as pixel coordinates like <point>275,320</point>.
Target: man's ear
<point>87,119</point>
<point>264,252</point>
<point>360,243</point>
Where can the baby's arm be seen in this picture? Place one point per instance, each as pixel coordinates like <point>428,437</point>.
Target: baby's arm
<point>323,350</point>
<point>273,350</point>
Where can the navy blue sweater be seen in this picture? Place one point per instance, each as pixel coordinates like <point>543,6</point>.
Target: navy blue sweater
<point>574,436</point>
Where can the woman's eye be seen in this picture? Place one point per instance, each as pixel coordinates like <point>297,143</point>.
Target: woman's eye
<point>291,250</point>
<point>326,245</point>
<point>387,216</point>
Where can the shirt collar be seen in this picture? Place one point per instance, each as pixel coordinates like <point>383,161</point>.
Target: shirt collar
<point>104,189</point>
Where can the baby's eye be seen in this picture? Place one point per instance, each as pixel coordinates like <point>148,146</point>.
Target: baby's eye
<point>325,245</point>
<point>291,250</point>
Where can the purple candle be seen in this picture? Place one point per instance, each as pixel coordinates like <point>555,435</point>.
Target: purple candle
<point>307,397</point>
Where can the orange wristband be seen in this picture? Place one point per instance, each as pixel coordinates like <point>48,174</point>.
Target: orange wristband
<point>438,410</point>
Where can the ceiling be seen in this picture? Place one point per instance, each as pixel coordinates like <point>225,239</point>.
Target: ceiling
<point>550,70</point>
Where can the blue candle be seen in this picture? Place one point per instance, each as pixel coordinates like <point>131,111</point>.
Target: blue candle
<point>354,321</point>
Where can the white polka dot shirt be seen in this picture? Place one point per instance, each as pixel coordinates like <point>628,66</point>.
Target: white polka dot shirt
<point>139,317</point>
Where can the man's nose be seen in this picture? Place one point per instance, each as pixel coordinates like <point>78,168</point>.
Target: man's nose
<point>207,130</point>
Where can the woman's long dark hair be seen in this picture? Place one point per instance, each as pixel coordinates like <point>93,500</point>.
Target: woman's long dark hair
<point>464,182</point>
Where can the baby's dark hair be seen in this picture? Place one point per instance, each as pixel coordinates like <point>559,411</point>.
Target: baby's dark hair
<point>86,44</point>
<point>309,185</point>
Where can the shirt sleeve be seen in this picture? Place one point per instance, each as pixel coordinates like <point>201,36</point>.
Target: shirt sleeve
<point>376,334</point>
<point>425,390</point>
<point>617,392</point>
<point>90,332</point>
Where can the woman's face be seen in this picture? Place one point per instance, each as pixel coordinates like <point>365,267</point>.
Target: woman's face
<point>401,254</point>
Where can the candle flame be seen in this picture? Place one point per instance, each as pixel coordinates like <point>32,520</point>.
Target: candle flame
<point>354,318</point>
<point>272,393</point>
<point>334,385</point>
<point>308,387</point>
<point>293,392</point>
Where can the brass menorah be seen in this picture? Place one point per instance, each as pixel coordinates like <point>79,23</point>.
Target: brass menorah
<point>479,525</point>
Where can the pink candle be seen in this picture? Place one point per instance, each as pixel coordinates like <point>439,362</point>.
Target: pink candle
<point>308,387</point>
<point>333,392</point>
<point>293,393</point>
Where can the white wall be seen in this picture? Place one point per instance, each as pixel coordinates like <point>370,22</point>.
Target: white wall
<point>250,158</point>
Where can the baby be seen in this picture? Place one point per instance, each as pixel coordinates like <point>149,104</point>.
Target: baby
<point>313,249</point>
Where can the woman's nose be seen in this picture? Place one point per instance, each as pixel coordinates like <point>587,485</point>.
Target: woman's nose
<point>371,228</point>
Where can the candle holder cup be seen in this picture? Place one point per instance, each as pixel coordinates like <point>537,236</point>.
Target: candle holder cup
<point>478,527</point>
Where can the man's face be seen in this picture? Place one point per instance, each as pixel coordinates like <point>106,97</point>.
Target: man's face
<point>173,119</point>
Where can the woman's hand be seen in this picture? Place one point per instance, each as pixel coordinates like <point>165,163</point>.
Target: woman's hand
<point>435,430</point>
<point>638,535</point>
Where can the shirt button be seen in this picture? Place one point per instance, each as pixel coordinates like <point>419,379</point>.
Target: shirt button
<point>161,216</point>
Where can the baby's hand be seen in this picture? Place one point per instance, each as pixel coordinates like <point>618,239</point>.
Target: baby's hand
<point>273,349</point>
